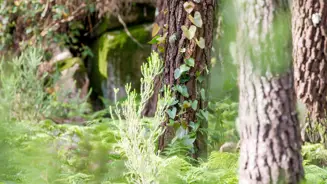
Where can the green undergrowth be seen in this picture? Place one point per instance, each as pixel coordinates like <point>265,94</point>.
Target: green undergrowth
<point>51,153</point>
<point>37,150</point>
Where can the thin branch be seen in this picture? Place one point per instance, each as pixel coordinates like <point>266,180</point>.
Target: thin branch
<point>127,31</point>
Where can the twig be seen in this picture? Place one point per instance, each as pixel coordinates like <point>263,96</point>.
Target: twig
<point>127,31</point>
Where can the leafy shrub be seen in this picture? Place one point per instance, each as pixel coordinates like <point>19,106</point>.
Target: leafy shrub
<point>314,154</point>
<point>222,126</point>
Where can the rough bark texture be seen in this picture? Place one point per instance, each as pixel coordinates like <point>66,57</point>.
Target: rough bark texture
<point>269,128</point>
<point>151,106</point>
<point>175,17</point>
<point>310,62</point>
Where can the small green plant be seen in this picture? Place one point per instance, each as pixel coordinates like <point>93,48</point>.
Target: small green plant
<point>138,136</point>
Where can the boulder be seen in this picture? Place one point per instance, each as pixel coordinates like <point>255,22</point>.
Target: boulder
<point>117,60</point>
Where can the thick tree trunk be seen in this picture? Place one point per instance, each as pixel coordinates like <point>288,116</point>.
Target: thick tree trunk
<point>310,63</point>
<point>175,16</point>
<point>269,128</point>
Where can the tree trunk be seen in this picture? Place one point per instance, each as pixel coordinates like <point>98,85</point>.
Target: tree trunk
<point>269,128</point>
<point>177,49</point>
<point>310,63</point>
<point>151,106</point>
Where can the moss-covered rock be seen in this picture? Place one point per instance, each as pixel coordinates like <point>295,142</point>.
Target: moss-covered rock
<point>117,60</point>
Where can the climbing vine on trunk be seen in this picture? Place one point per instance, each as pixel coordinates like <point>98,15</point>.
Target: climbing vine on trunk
<point>184,36</point>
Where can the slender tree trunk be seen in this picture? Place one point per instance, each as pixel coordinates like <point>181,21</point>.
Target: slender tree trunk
<point>177,49</point>
<point>310,63</point>
<point>269,128</point>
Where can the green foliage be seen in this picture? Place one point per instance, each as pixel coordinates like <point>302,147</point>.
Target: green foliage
<point>222,123</point>
<point>25,23</point>
<point>111,151</point>
<point>315,154</point>
<point>315,174</point>
<point>21,88</point>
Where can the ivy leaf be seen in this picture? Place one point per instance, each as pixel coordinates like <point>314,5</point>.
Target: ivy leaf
<point>189,6</point>
<point>200,78</point>
<point>183,90</point>
<point>171,122</point>
<point>203,94</point>
<point>174,102</point>
<point>181,132</point>
<point>177,73</point>
<point>184,79</point>
<point>155,29</point>
<point>205,114</point>
<point>195,105</point>
<point>162,39</point>
<point>154,40</point>
<point>188,141</point>
<point>172,113</point>
<point>182,50</point>
<point>186,104</point>
<point>198,20</point>
<point>201,43</point>
<point>189,33</point>
<point>194,126</point>
<point>184,68</point>
<point>190,62</point>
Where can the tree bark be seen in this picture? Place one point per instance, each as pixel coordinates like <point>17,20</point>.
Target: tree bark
<point>310,63</point>
<point>151,106</point>
<point>174,17</point>
<point>269,127</point>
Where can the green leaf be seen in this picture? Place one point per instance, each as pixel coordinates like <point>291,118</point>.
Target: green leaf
<point>174,102</point>
<point>188,6</point>
<point>182,90</point>
<point>172,113</point>
<point>190,62</point>
<point>177,73</point>
<point>200,78</point>
<point>198,20</point>
<point>194,126</point>
<point>186,104</point>
<point>181,132</point>
<point>203,94</point>
<point>195,105</point>
<point>201,43</point>
<point>184,79</point>
<point>188,141</point>
<point>189,33</point>
<point>154,40</point>
<point>171,122</point>
<point>158,39</point>
<point>205,114</point>
<point>184,68</point>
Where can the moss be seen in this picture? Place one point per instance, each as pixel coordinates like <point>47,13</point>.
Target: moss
<point>122,52</point>
<point>68,63</point>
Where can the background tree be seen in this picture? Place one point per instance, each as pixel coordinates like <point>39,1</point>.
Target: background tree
<point>186,41</point>
<point>269,128</point>
<point>310,57</point>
